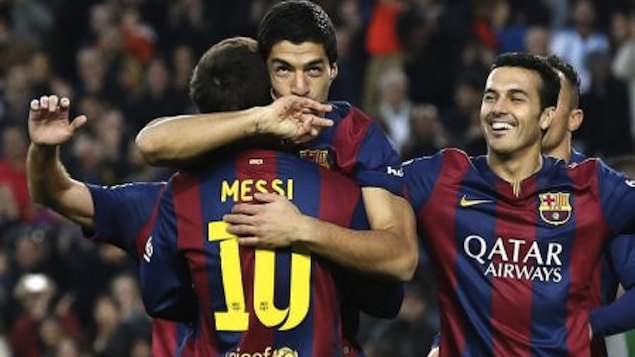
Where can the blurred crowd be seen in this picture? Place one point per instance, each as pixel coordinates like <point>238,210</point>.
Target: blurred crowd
<point>416,66</point>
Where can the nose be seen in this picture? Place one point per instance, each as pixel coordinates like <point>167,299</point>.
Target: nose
<point>499,107</point>
<point>300,85</point>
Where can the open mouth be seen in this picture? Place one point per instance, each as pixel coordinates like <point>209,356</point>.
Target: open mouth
<point>500,128</point>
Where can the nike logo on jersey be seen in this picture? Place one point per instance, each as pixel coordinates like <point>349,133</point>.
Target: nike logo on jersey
<point>465,202</point>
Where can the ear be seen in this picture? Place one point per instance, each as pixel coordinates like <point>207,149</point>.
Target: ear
<point>547,117</point>
<point>576,117</point>
<point>334,72</point>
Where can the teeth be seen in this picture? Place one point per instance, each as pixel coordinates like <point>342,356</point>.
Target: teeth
<point>501,126</point>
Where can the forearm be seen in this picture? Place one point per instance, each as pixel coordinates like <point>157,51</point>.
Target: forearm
<point>181,139</point>
<point>379,251</point>
<point>50,185</point>
<point>616,317</point>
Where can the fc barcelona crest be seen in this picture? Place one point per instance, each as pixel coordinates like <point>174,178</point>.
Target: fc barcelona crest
<point>555,208</point>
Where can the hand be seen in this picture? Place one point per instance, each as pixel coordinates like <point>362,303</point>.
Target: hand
<point>274,222</point>
<point>434,352</point>
<point>294,118</point>
<point>48,121</point>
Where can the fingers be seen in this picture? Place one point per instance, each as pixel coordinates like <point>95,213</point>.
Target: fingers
<point>51,103</point>
<point>237,219</point>
<point>78,122</point>
<point>317,122</point>
<point>266,197</point>
<point>246,208</point>
<point>308,103</point>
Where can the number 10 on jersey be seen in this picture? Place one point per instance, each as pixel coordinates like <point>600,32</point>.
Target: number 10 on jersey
<point>236,318</point>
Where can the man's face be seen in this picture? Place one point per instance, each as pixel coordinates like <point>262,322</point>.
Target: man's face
<point>300,69</point>
<point>559,127</point>
<point>510,110</point>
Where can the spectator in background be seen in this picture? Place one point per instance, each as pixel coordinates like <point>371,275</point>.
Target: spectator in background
<point>384,48</point>
<point>461,121</point>
<point>394,106</point>
<point>576,43</point>
<point>427,135</point>
<point>605,134</point>
<point>537,40</point>
<point>624,63</point>
<point>16,205</point>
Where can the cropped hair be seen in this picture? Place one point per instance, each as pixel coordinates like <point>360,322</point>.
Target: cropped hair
<point>550,82</point>
<point>230,76</point>
<point>570,75</point>
<point>297,21</point>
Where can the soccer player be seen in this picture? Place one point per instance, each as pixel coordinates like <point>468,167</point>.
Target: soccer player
<point>131,217</point>
<point>514,237</point>
<point>619,255</point>
<point>119,215</point>
<point>297,41</point>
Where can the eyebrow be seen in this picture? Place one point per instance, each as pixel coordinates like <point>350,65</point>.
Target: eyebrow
<point>280,61</point>
<point>511,92</point>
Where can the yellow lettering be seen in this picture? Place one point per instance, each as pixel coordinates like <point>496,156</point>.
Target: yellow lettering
<point>229,190</point>
<point>276,186</point>
<point>261,186</point>
<point>290,189</point>
<point>245,190</point>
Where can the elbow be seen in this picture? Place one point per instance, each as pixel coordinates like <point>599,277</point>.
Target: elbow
<point>149,148</point>
<point>409,266</point>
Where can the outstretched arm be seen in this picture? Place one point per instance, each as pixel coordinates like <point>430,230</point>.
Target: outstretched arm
<point>49,183</point>
<point>389,249</point>
<point>181,139</point>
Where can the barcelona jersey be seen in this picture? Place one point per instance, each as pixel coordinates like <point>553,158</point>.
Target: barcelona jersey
<point>252,301</point>
<point>124,216</point>
<point>514,272</point>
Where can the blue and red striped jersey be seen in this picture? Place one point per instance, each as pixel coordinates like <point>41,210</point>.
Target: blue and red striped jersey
<point>124,216</point>
<point>253,302</point>
<point>515,272</point>
<point>356,146</point>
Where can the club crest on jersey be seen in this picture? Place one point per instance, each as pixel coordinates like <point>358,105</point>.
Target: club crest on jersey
<point>555,208</point>
<point>320,157</point>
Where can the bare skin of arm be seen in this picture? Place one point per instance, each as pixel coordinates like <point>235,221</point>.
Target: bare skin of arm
<point>390,249</point>
<point>288,117</point>
<point>49,182</point>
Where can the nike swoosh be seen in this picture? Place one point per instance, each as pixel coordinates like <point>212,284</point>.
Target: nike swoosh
<point>468,203</point>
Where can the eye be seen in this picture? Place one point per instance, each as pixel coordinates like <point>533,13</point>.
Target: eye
<point>281,70</point>
<point>518,100</point>
<point>315,71</point>
<point>489,97</point>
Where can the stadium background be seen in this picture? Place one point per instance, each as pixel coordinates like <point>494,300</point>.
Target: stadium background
<point>417,66</point>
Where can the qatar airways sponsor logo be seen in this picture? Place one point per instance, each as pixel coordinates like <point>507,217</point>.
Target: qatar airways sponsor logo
<point>513,258</point>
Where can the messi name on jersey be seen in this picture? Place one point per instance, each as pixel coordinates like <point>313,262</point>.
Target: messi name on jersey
<point>243,190</point>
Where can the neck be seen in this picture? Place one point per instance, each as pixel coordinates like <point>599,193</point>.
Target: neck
<point>516,167</point>
<point>562,151</point>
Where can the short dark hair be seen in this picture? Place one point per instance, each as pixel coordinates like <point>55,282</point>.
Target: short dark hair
<point>230,76</point>
<point>570,74</point>
<point>550,82</point>
<point>297,21</point>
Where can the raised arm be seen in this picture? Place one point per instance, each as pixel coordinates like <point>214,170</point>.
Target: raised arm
<point>49,183</point>
<point>182,139</point>
<point>389,249</point>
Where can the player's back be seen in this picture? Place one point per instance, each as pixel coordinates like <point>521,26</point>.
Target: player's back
<point>256,301</point>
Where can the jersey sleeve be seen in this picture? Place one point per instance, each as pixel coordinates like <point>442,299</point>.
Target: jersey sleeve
<point>122,211</point>
<point>363,152</point>
<point>617,197</point>
<point>164,274</point>
<point>420,176</point>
